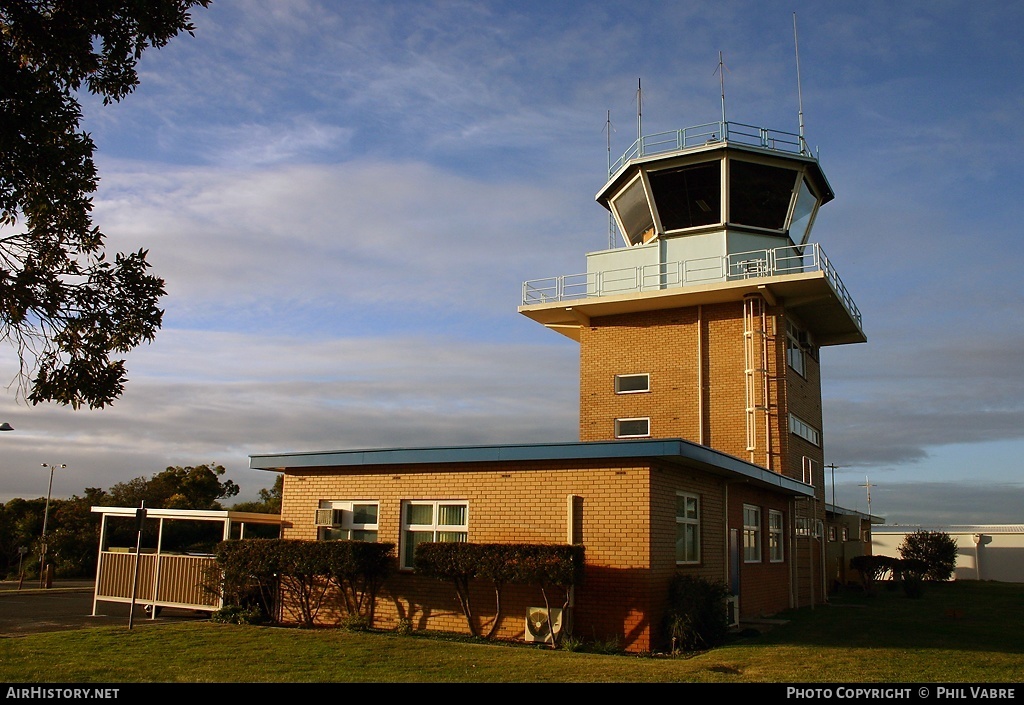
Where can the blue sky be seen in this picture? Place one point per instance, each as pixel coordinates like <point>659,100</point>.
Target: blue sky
<point>344,200</point>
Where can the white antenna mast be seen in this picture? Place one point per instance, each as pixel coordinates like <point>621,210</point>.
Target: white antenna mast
<point>721,80</point>
<point>611,218</point>
<point>799,91</point>
<point>639,119</point>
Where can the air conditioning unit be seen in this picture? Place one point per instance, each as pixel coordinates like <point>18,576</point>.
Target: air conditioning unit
<point>732,610</point>
<point>328,517</point>
<point>537,628</point>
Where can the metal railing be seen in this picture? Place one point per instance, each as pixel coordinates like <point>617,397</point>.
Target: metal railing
<point>669,275</point>
<point>710,133</point>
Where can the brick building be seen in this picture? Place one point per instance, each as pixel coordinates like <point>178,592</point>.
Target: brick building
<point>700,406</point>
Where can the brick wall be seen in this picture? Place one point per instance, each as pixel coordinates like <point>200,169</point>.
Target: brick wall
<point>508,503</point>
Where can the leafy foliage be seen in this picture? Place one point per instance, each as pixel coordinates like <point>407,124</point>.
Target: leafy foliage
<point>269,499</point>
<point>177,487</point>
<point>697,618</point>
<point>936,549</point>
<point>873,569</point>
<point>67,309</point>
<point>307,571</point>
<point>549,567</point>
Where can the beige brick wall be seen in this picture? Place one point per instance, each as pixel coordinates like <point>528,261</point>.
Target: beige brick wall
<point>628,529</point>
<point>508,503</point>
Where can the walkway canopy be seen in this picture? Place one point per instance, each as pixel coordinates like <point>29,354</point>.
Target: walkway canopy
<point>175,566</point>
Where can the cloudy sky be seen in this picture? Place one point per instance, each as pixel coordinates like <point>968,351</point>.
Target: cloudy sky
<point>345,198</point>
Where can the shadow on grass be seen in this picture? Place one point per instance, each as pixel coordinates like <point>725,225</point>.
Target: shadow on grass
<point>961,615</point>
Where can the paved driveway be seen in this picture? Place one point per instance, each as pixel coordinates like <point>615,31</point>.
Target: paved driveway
<point>30,611</point>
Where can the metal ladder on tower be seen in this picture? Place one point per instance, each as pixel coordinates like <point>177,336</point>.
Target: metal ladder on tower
<point>755,372</point>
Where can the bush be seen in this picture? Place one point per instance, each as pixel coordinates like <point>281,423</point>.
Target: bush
<point>936,549</point>
<point>912,572</point>
<point>697,617</point>
<point>872,569</point>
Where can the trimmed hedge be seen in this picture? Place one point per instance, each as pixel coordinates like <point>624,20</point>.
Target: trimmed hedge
<point>307,570</point>
<point>557,568</point>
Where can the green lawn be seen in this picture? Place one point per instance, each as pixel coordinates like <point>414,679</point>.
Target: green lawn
<point>958,632</point>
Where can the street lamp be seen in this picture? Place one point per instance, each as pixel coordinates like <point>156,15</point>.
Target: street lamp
<point>6,426</point>
<point>46,518</point>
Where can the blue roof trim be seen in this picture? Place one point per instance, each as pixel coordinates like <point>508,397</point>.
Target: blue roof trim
<point>674,450</point>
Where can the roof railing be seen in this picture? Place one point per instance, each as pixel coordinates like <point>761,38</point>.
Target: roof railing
<point>772,262</point>
<point>710,133</point>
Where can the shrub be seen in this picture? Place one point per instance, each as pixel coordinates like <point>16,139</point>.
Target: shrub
<point>912,572</point>
<point>556,568</point>
<point>936,549</point>
<point>697,617</point>
<point>872,569</point>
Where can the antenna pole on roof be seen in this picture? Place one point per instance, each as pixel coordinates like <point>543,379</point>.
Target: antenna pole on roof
<point>639,119</point>
<point>611,218</point>
<point>799,92</point>
<point>721,81</point>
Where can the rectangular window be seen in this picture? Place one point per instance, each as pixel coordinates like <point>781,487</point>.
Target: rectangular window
<point>799,427</point>
<point>751,534</point>
<point>632,384</point>
<point>427,521</point>
<point>347,520</point>
<point>846,533</point>
<point>776,553</point>
<point>794,350</point>
<point>632,428</point>
<point>687,528</point>
<point>832,533</point>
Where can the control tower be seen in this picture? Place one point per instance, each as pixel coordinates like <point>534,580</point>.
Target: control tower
<point>707,322</point>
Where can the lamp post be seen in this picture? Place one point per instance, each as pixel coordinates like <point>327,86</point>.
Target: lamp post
<point>46,518</point>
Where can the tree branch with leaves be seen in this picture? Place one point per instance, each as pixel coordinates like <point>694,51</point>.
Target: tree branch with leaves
<point>68,311</point>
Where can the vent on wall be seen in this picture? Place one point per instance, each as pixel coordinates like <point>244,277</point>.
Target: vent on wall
<point>537,627</point>
<point>732,610</point>
<point>328,517</point>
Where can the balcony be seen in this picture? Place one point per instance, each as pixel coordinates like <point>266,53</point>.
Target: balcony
<point>802,275</point>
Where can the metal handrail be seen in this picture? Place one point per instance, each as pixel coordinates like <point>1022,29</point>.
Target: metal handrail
<point>710,133</point>
<point>667,275</point>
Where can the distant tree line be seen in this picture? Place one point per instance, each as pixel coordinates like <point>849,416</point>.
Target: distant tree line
<point>73,530</point>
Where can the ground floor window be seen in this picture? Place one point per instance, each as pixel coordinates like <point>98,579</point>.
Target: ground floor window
<point>751,534</point>
<point>347,520</point>
<point>424,521</point>
<point>687,528</point>
<point>775,544</point>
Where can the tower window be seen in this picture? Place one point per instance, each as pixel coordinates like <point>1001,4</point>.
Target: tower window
<point>799,427</point>
<point>759,195</point>
<point>632,428</point>
<point>794,350</point>
<point>631,384</point>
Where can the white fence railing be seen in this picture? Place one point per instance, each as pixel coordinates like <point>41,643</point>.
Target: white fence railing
<point>669,275</point>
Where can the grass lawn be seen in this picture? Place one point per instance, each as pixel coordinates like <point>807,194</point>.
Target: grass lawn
<point>960,632</point>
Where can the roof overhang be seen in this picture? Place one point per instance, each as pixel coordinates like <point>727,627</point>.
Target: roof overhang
<point>809,295</point>
<point>673,451</point>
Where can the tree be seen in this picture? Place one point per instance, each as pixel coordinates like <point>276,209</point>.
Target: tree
<point>67,310</point>
<point>936,551</point>
<point>269,501</point>
<point>176,487</point>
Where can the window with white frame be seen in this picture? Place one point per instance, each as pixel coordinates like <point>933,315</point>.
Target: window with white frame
<point>347,520</point>
<point>435,520</point>
<point>751,534</point>
<point>831,533</point>
<point>633,428</point>
<point>632,384</point>
<point>794,350</point>
<point>799,427</point>
<point>687,528</point>
<point>776,553</point>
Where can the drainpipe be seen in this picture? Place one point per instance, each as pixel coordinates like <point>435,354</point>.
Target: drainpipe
<point>700,375</point>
